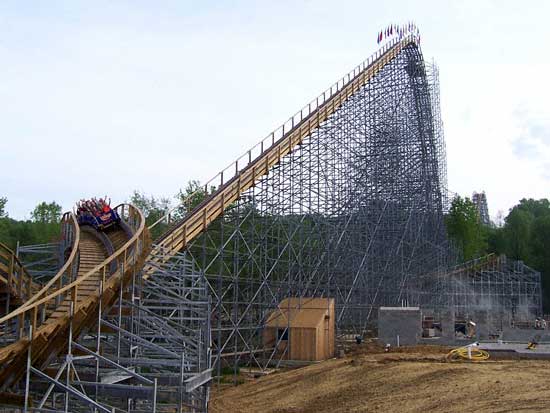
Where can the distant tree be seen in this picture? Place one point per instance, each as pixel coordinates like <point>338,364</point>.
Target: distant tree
<point>3,202</point>
<point>540,247</point>
<point>191,196</point>
<point>535,207</point>
<point>152,208</point>
<point>46,225</point>
<point>517,232</point>
<point>47,213</point>
<point>496,241</point>
<point>12,231</point>
<point>465,228</point>
<point>540,237</point>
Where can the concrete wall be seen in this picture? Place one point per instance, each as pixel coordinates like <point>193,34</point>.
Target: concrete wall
<point>405,322</point>
<point>525,335</point>
<point>481,319</point>
<point>448,324</point>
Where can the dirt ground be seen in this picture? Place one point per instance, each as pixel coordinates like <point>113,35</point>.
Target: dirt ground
<point>416,379</point>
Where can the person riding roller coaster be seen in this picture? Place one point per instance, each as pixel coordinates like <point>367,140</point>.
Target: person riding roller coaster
<point>96,213</point>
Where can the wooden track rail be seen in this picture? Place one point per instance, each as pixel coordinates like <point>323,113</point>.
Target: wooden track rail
<point>20,284</point>
<point>77,302</point>
<point>197,220</point>
<point>71,231</point>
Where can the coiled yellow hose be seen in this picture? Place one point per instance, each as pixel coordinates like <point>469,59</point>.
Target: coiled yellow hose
<point>461,353</point>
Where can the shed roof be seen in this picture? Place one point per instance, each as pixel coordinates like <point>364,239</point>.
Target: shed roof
<point>300,312</point>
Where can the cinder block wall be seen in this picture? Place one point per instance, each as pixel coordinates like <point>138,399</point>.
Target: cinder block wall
<point>448,324</point>
<point>405,322</point>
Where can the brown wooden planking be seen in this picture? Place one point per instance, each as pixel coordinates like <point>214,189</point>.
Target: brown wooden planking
<point>15,278</point>
<point>50,338</point>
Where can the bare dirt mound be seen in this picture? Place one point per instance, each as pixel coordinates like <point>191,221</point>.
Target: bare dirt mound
<point>411,380</point>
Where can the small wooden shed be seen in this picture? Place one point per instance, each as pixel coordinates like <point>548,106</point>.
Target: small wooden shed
<point>302,329</point>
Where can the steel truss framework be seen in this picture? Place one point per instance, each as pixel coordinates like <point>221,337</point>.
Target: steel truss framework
<point>42,261</point>
<point>149,352</point>
<point>509,289</point>
<point>355,213</point>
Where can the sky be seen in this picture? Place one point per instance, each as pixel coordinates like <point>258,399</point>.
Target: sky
<point>110,97</point>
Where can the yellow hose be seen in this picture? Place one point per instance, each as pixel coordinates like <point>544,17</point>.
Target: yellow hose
<point>461,353</point>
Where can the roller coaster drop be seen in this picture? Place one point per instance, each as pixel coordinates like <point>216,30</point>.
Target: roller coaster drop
<point>345,200</point>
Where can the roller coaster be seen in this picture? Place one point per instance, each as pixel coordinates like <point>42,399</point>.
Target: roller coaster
<point>344,200</point>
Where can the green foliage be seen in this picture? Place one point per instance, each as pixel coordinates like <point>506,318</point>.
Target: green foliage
<point>540,239</point>
<point>229,370</point>
<point>43,228</point>
<point>496,241</point>
<point>3,202</point>
<point>540,243</point>
<point>191,197</point>
<point>540,252</point>
<point>465,229</point>
<point>517,233</point>
<point>537,208</point>
<point>46,213</point>
<point>152,208</point>
<point>525,236</point>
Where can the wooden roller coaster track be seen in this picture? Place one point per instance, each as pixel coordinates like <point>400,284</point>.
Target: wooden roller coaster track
<point>271,151</point>
<point>91,276</point>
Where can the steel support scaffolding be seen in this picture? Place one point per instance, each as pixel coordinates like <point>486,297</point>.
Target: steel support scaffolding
<point>355,214</point>
<point>149,352</point>
<point>42,261</point>
<point>508,289</point>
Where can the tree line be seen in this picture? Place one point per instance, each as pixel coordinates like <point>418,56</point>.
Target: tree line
<point>44,225</point>
<point>524,235</point>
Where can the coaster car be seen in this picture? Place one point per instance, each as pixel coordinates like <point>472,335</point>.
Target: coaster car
<point>99,222</point>
<point>97,214</point>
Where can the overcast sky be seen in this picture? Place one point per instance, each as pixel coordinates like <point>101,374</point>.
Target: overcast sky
<point>107,97</point>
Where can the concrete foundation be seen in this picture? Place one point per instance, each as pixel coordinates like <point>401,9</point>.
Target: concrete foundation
<point>403,326</point>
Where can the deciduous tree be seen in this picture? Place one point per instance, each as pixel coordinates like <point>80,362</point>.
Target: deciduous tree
<point>465,228</point>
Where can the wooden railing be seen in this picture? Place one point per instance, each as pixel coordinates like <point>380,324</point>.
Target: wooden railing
<point>239,176</point>
<point>70,240</point>
<point>17,282</point>
<point>31,315</point>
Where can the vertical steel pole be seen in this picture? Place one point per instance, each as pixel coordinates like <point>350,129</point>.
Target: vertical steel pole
<point>28,376</point>
<point>155,397</point>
